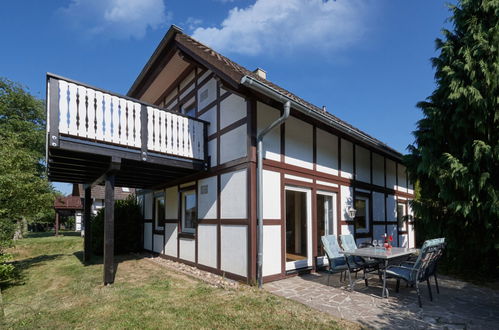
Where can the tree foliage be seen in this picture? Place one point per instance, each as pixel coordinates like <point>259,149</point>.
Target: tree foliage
<point>455,156</point>
<point>25,193</point>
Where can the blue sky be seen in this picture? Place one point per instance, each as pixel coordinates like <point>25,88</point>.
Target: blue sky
<point>367,61</point>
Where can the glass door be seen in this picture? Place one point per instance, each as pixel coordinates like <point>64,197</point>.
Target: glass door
<point>298,228</point>
<point>326,221</point>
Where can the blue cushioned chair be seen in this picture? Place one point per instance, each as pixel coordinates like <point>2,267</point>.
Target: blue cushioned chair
<point>421,269</point>
<point>337,262</point>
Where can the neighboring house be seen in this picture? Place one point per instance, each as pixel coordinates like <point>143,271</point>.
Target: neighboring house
<point>120,193</point>
<point>186,135</point>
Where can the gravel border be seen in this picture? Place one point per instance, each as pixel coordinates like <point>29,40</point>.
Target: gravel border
<point>207,277</point>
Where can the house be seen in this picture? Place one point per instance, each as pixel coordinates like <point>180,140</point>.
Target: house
<point>186,136</point>
<point>120,193</point>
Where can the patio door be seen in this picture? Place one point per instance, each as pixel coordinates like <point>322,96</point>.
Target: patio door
<point>326,221</point>
<point>298,228</point>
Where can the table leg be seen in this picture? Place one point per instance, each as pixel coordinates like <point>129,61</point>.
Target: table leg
<point>384,294</point>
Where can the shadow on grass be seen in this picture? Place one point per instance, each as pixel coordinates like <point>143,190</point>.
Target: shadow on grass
<point>51,234</point>
<point>22,265</point>
<point>98,259</point>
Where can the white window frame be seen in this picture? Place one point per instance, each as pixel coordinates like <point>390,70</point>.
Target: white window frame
<point>156,210</point>
<point>365,230</point>
<point>183,194</point>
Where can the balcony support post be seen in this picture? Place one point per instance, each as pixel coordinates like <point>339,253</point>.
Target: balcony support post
<point>53,112</point>
<point>109,230</point>
<point>87,239</point>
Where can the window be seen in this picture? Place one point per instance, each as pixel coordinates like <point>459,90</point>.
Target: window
<point>190,110</point>
<point>124,189</point>
<point>362,216</point>
<point>401,215</point>
<point>159,214</point>
<point>189,211</point>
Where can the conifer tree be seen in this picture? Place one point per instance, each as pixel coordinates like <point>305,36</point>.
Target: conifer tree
<point>455,156</point>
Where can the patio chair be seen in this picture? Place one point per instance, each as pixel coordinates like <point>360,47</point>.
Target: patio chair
<point>337,262</point>
<point>419,271</point>
<point>348,243</point>
<point>431,271</point>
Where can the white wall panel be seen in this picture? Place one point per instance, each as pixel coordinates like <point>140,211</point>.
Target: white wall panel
<point>402,178</point>
<point>233,195</point>
<point>390,174</point>
<point>412,236</point>
<point>346,229</point>
<point>187,249</point>
<point>298,143</point>
<point>271,195</point>
<point>207,93</point>
<point>378,170</point>
<point>148,206</point>
<point>207,198</point>
<point>391,208</point>
<point>378,206</point>
<point>272,141</point>
<point>234,249</point>
<point>346,201</point>
<point>233,144</point>
<point>171,203</point>
<point>232,109</point>
<point>327,152</point>
<point>271,250</point>
<point>346,159</point>
<point>362,164</point>
<point>207,245</point>
<point>298,178</point>
<point>212,152</point>
<point>158,243</point>
<point>148,236</point>
<point>171,239</point>
<point>378,232</point>
<point>211,117</point>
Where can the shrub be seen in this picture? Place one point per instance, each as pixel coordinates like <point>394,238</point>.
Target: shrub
<point>127,227</point>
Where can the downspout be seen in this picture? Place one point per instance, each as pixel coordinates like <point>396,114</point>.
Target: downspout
<point>259,187</point>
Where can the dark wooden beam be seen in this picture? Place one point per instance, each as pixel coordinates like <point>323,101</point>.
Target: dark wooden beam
<point>56,227</point>
<point>114,166</point>
<point>87,243</point>
<point>109,230</point>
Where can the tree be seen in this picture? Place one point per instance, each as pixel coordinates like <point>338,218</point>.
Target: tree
<point>455,156</point>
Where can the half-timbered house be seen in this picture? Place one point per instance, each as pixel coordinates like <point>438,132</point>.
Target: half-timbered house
<point>186,135</point>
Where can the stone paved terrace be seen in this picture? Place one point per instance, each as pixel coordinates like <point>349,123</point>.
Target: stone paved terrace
<point>460,305</point>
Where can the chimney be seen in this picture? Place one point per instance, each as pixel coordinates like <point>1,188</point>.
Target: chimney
<point>261,73</point>
<point>324,108</point>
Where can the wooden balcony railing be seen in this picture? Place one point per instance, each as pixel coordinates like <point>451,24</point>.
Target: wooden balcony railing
<point>90,114</point>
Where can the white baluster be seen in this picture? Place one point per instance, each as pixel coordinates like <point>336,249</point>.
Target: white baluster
<point>138,125</point>
<point>190,134</point>
<point>163,131</point>
<point>107,118</point>
<point>123,121</point>
<point>115,101</point>
<point>157,131</point>
<point>130,120</point>
<point>82,111</point>
<point>150,125</point>
<point>99,116</point>
<point>186,137</point>
<point>174,134</point>
<point>168,133</point>
<point>73,110</point>
<point>63,107</point>
<point>91,113</point>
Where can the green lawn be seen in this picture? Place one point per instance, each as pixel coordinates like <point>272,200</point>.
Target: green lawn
<point>58,291</point>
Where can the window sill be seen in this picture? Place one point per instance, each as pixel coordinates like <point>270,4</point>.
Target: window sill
<point>187,235</point>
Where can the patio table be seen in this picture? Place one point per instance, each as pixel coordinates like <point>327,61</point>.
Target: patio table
<point>380,253</point>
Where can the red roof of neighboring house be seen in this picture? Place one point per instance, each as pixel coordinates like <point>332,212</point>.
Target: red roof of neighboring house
<point>68,203</point>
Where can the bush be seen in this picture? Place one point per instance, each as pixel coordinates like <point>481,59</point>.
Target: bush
<point>127,228</point>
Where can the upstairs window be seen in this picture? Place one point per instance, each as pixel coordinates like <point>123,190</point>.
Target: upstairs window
<point>189,211</point>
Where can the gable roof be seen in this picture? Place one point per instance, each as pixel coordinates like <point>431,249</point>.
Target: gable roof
<point>235,74</point>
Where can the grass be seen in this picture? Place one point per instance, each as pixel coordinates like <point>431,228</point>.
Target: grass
<point>58,291</point>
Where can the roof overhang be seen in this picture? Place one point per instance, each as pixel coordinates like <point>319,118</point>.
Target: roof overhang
<point>276,95</point>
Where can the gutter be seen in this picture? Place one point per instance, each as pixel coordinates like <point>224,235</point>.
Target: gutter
<point>273,93</point>
<point>259,187</point>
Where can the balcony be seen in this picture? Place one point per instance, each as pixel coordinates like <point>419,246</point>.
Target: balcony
<point>90,131</point>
